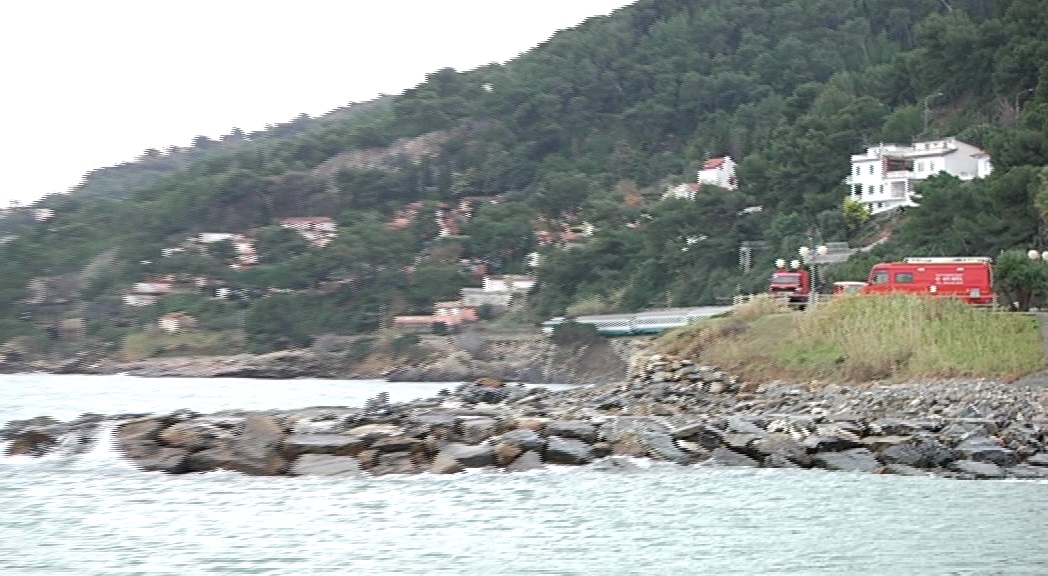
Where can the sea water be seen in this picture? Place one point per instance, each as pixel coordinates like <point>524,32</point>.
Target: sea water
<point>95,514</point>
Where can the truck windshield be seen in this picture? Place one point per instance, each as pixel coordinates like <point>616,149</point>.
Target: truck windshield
<point>786,278</point>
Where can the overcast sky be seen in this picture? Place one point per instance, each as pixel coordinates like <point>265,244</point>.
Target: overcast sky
<point>94,83</point>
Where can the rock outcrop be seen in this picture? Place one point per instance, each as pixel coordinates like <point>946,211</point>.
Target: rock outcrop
<point>669,410</point>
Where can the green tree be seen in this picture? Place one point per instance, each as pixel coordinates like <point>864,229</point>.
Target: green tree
<point>276,244</point>
<point>1019,280</point>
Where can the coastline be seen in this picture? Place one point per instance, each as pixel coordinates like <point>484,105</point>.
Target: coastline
<point>667,409</point>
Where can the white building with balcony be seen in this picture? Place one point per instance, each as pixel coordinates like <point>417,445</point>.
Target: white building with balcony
<point>883,178</point>
<point>718,172</point>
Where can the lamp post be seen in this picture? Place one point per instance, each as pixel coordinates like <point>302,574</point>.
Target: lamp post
<point>811,257</point>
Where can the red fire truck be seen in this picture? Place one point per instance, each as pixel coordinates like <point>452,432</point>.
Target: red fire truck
<point>795,285</point>
<point>969,279</point>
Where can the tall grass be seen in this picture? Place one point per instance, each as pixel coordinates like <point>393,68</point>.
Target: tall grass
<point>868,338</point>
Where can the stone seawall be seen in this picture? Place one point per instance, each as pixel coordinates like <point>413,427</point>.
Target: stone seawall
<point>669,409</point>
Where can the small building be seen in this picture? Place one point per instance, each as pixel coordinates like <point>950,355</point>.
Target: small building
<point>450,314</point>
<point>175,322</point>
<point>212,237</point>
<point>318,230</point>
<point>718,172</point>
<point>43,214</point>
<point>513,283</point>
<point>686,191</point>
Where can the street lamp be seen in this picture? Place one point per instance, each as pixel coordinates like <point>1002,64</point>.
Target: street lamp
<point>811,256</point>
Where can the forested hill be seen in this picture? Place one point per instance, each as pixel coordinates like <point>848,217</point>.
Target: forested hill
<point>583,132</point>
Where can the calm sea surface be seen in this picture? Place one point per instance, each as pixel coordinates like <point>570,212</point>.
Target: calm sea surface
<point>95,515</point>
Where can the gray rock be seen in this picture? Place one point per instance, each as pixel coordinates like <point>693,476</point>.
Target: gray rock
<point>621,427</point>
<point>568,451</point>
<point>398,444</point>
<point>892,427</point>
<point>529,460</point>
<point>521,438</point>
<point>782,446</point>
<point>333,444</point>
<point>744,426</point>
<point>852,460</point>
<point>153,458</point>
<point>1038,459</point>
<point>977,469</point>
<point>778,461</point>
<point>687,430</point>
<point>1027,472</point>
<point>475,430</point>
<point>578,429</point>
<point>739,441</point>
<point>464,455</point>
<point>325,465</point>
<point>201,433</point>
<point>662,447</point>
<point>725,457</point>
<point>982,449</point>
<point>821,443</point>
<point>369,433</point>
<point>395,463</point>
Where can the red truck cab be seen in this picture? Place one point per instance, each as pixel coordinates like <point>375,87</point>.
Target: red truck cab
<point>795,284</point>
<point>969,279</point>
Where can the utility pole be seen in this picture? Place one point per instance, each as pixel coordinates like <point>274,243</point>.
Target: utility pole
<point>1015,106</point>
<point>927,99</point>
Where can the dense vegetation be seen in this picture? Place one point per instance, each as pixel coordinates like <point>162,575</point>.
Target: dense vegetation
<point>589,126</point>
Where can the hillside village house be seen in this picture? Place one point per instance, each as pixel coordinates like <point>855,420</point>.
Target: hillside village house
<point>719,172</point>
<point>147,293</point>
<point>715,172</point>
<point>319,230</point>
<point>497,291</point>
<point>174,322</point>
<point>450,314</point>
<point>883,177</point>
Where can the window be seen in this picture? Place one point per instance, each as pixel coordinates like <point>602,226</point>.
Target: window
<point>880,188</point>
<point>879,277</point>
<point>856,170</point>
<point>869,190</point>
<point>904,277</point>
<point>871,169</point>
<point>857,190</point>
<point>920,166</point>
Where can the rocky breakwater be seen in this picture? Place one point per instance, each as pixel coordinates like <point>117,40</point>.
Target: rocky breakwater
<point>669,410</point>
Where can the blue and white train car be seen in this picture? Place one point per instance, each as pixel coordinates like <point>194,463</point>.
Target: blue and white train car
<point>647,322</point>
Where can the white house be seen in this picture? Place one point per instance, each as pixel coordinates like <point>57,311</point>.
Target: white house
<point>684,191</point>
<point>883,177</point>
<point>211,237</point>
<point>719,172</point>
<point>515,283</point>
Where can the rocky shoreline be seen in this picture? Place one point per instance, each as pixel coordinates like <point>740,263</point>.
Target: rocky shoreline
<point>668,409</point>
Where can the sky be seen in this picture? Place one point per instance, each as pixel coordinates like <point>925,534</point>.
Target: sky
<point>93,84</point>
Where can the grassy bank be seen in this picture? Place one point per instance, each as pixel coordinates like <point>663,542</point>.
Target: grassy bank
<point>864,338</point>
<point>154,344</point>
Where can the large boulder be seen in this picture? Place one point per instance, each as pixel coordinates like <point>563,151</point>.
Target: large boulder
<point>727,457</point>
<point>332,444</point>
<point>568,451</point>
<point>137,441</point>
<point>529,460</point>
<point>777,447</point>
<point>522,438</point>
<point>853,460</point>
<point>456,457</point>
<point>476,429</point>
<point>201,433</point>
<point>973,469</point>
<point>369,433</point>
<point>578,429</point>
<point>325,465</point>
<point>919,452</point>
<point>983,449</point>
<point>396,463</point>
<point>254,451</point>
<point>622,427</point>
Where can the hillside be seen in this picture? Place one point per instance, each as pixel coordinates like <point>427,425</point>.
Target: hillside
<point>564,152</point>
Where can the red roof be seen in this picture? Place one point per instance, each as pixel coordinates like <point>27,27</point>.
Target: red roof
<point>713,163</point>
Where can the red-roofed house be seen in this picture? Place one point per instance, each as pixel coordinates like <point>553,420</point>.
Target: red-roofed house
<point>718,172</point>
